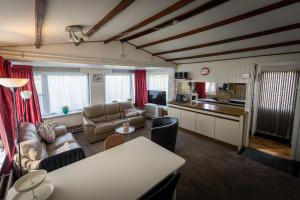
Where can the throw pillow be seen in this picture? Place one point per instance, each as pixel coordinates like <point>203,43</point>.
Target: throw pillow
<point>46,131</point>
<point>132,112</point>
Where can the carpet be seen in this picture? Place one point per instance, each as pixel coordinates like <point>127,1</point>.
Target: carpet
<point>288,166</point>
<point>216,172</point>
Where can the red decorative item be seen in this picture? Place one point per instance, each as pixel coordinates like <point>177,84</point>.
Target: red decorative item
<point>200,89</point>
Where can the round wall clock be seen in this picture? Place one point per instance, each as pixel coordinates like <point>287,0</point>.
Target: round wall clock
<point>204,71</point>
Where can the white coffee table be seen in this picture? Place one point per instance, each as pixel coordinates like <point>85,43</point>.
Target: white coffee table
<point>120,130</point>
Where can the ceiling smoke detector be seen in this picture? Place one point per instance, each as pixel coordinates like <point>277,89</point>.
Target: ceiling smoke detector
<point>76,34</point>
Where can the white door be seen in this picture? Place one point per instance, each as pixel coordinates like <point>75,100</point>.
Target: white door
<point>188,120</point>
<point>227,131</point>
<point>205,125</point>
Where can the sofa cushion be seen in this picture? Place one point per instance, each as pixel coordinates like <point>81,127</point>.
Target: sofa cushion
<point>135,120</point>
<point>119,122</point>
<point>104,127</point>
<point>63,148</point>
<point>131,112</point>
<point>95,112</point>
<point>46,131</point>
<point>31,149</point>
<point>27,131</point>
<point>112,111</point>
<point>61,141</point>
<point>125,105</point>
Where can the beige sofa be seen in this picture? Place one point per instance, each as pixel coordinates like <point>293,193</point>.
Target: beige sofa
<point>101,120</point>
<point>37,154</point>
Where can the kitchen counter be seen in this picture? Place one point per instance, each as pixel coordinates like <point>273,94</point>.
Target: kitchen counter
<point>222,109</point>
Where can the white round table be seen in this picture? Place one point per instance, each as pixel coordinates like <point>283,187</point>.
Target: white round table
<point>120,130</point>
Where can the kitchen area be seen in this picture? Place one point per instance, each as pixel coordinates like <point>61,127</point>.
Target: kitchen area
<point>213,110</point>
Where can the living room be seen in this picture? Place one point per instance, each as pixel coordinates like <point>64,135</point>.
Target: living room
<point>137,99</point>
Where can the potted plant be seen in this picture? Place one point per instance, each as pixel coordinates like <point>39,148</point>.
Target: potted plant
<point>65,109</point>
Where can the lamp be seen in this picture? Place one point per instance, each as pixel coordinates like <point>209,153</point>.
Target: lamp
<point>14,84</point>
<point>76,34</point>
<point>25,95</point>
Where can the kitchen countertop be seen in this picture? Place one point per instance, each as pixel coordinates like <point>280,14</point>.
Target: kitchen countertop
<point>222,109</point>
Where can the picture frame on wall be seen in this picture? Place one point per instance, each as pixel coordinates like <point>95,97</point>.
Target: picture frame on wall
<point>98,77</point>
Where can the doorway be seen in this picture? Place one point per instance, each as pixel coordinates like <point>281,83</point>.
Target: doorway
<point>276,96</point>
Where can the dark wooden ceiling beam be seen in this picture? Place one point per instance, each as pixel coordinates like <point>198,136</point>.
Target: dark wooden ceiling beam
<point>179,4</point>
<point>150,53</point>
<point>114,12</point>
<point>269,46</point>
<point>246,15</point>
<point>200,9</point>
<point>233,39</point>
<point>39,15</point>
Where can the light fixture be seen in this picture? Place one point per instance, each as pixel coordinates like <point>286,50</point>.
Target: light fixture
<point>76,33</point>
<point>26,94</point>
<point>14,84</point>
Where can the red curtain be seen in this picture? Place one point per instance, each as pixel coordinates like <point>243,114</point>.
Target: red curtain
<point>141,96</point>
<point>200,89</point>
<point>33,113</point>
<point>7,130</point>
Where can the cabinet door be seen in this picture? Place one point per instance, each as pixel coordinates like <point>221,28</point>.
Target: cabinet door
<point>188,120</point>
<point>174,112</point>
<point>205,125</point>
<point>226,131</point>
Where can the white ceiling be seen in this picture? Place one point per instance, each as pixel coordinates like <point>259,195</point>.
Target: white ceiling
<point>17,24</point>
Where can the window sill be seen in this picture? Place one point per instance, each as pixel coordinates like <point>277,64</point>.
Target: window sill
<point>61,114</point>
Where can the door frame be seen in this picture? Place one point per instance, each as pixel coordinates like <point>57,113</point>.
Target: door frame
<point>295,140</point>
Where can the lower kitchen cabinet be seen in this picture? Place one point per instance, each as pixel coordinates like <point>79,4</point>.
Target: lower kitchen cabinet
<point>188,120</point>
<point>205,125</point>
<point>227,131</point>
<point>174,112</point>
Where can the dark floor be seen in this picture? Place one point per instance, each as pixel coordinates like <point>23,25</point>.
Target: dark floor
<point>288,166</point>
<point>216,172</point>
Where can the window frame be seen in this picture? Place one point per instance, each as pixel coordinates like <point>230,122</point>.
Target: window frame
<point>45,90</point>
<point>149,74</point>
<point>132,84</point>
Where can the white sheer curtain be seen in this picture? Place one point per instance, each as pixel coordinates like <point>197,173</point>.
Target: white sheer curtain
<point>119,87</point>
<point>71,90</point>
<point>158,81</point>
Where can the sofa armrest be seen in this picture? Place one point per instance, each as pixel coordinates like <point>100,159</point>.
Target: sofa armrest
<point>62,159</point>
<point>141,112</point>
<point>88,123</point>
<point>60,130</point>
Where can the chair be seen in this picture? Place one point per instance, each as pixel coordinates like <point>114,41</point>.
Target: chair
<point>164,190</point>
<point>164,132</point>
<point>113,140</point>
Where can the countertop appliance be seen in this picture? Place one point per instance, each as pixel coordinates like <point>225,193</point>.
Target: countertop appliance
<point>181,98</point>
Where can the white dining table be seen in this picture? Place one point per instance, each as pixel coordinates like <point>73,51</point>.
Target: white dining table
<point>124,172</point>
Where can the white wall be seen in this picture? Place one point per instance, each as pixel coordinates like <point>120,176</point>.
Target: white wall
<point>113,53</point>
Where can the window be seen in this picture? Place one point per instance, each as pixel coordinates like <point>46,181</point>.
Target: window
<point>210,88</point>
<point>58,89</point>
<point>119,87</point>
<point>158,81</point>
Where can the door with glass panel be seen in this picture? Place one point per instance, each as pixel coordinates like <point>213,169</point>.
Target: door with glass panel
<point>277,102</point>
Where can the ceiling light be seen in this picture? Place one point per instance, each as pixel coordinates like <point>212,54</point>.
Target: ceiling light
<point>76,33</point>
